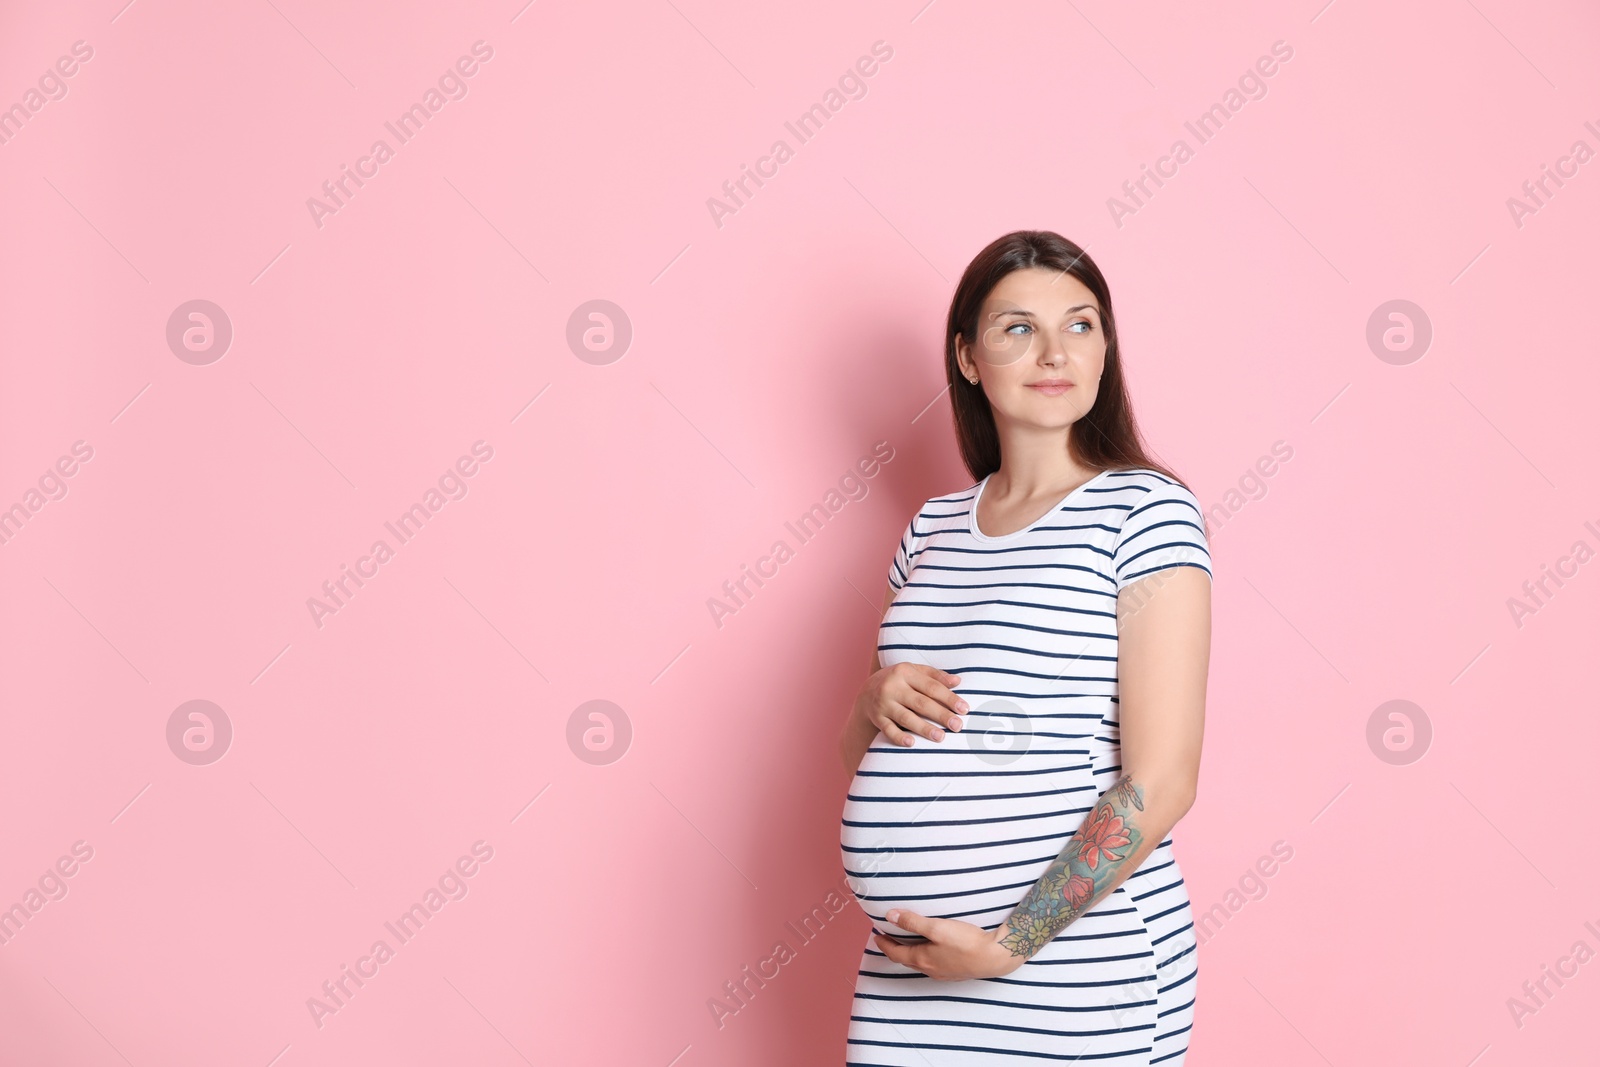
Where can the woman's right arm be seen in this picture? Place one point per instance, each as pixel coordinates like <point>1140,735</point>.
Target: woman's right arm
<point>906,699</point>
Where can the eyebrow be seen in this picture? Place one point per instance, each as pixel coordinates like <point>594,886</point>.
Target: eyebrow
<point>1070,310</point>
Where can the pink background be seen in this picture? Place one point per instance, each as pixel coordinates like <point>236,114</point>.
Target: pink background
<point>768,355</point>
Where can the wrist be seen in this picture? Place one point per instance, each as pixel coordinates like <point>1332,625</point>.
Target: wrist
<point>1001,951</point>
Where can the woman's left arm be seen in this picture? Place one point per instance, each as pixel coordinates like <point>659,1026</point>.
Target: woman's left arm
<point>1163,652</point>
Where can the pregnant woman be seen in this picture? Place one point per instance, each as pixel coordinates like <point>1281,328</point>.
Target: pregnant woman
<point>1030,732</point>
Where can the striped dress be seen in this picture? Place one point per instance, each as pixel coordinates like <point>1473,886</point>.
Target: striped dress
<point>961,828</point>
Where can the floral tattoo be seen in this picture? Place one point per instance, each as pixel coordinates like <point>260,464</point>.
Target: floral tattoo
<point>1090,861</point>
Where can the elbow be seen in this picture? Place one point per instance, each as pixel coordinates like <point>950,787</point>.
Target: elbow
<point>849,757</point>
<point>1169,795</point>
<point>1184,789</point>
<point>1183,802</point>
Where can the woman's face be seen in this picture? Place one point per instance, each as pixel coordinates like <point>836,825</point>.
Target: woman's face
<point>1040,349</point>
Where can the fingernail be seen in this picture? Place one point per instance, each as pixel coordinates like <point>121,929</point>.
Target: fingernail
<point>956,724</point>
<point>938,735</point>
<point>892,916</point>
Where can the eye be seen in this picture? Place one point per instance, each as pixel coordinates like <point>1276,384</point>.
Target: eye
<point>1015,325</point>
<point>1088,327</point>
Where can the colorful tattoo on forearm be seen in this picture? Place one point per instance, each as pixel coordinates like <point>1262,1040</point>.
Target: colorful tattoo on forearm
<point>1079,876</point>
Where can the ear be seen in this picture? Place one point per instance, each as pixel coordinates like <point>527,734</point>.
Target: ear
<point>964,356</point>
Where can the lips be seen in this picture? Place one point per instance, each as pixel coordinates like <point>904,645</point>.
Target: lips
<point>1051,386</point>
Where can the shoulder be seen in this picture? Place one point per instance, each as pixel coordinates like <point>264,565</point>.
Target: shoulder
<point>1141,480</point>
<point>1148,501</point>
<point>959,496</point>
<point>1162,527</point>
<point>1140,486</point>
<point>946,511</point>
<point>938,514</point>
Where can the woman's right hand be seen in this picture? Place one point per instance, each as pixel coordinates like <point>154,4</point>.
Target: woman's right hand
<point>911,698</point>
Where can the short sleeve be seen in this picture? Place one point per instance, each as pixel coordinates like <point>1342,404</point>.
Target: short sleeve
<point>1165,529</point>
<point>900,569</point>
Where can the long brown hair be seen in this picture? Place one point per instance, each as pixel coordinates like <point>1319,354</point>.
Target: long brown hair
<point>1107,437</point>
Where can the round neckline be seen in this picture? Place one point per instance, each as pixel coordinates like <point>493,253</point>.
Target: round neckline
<point>972,516</point>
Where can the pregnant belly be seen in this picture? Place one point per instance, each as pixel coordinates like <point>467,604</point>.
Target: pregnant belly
<point>959,829</point>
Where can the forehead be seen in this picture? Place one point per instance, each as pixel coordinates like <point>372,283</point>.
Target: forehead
<point>1039,289</point>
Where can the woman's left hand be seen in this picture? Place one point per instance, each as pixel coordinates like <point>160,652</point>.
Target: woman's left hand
<point>954,950</point>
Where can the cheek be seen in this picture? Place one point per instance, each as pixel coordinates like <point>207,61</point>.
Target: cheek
<point>1091,357</point>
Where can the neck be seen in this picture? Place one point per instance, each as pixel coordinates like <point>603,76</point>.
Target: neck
<point>1040,468</point>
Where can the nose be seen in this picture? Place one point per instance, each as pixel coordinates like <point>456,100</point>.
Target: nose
<point>1054,349</point>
